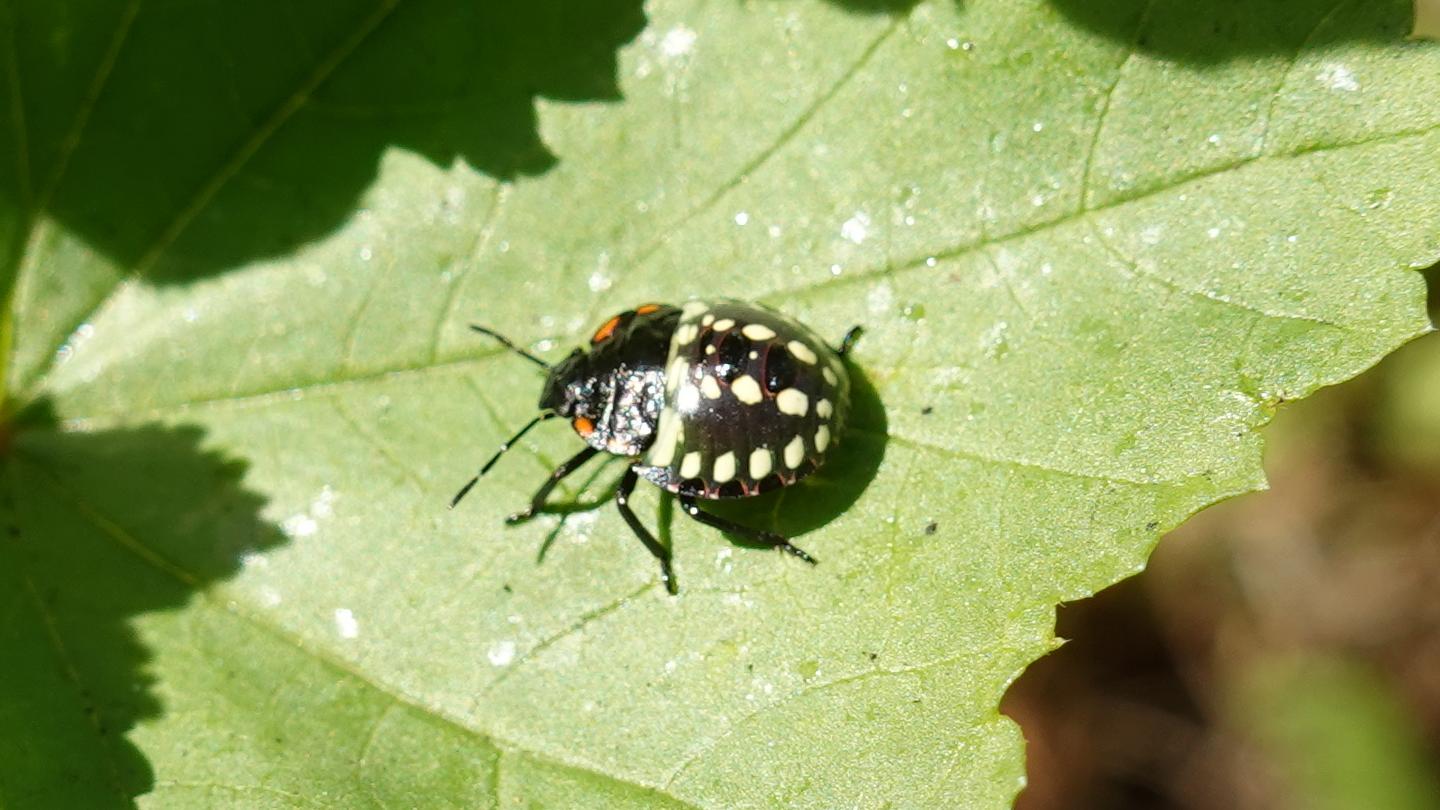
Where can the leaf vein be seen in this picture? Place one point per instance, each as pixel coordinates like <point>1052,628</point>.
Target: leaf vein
<point>926,261</point>
<point>247,150</point>
<point>1103,114</point>
<point>764,155</point>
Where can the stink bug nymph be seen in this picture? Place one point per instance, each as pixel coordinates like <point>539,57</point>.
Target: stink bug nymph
<point>709,400</point>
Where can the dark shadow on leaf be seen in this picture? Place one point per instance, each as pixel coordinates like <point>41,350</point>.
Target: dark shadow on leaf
<point>1214,31</point>
<point>825,495</point>
<point>99,528</point>
<point>189,138</point>
<point>895,7</point>
<point>564,509</point>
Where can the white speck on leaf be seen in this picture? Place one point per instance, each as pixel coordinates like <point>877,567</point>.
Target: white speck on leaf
<point>300,525</point>
<point>501,653</point>
<point>856,228</point>
<point>678,41</point>
<point>345,623</point>
<point>1338,77</point>
<point>304,524</point>
<point>881,298</point>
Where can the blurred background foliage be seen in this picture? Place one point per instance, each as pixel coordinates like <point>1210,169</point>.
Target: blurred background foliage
<point>1282,650</point>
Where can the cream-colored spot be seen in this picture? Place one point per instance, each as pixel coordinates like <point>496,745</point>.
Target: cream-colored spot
<point>676,373</point>
<point>724,468</point>
<point>708,319</point>
<point>756,331</point>
<point>801,352</point>
<point>792,401</point>
<point>830,377</point>
<point>823,409</point>
<point>795,452</point>
<point>760,462</point>
<point>709,387</point>
<point>723,324</point>
<point>694,309</point>
<point>690,465</point>
<point>709,348</point>
<point>822,438</point>
<point>688,399</point>
<point>746,389</point>
<point>754,355</point>
<point>667,435</point>
<point>686,333</point>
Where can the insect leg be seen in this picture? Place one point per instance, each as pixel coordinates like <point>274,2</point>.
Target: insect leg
<point>687,504</point>
<point>622,502</point>
<point>848,342</point>
<point>538,501</point>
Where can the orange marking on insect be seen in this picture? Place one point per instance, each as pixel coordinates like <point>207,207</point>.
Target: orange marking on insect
<point>583,425</point>
<point>646,309</point>
<point>606,330</point>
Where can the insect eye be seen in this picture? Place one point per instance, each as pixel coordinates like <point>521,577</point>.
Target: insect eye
<point>731,356</point>
<point>780,371</point>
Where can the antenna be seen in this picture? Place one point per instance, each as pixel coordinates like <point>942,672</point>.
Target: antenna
<point>504,341</point>
<point>498,453</point>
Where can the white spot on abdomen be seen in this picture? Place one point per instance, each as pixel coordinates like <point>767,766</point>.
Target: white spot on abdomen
<point>760,463</point>
<point>746,389</point>
<point>822,438</point>
<point>690,466</point>
<point>756,331</point>
<point>801,352</point>
<point>795,452</point>
<point>793,401</point>
<point>724,468</point>
<point>663,451</point>
<point>709,387</point>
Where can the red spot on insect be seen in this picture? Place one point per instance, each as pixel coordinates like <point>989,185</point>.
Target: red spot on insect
<point>646,309</point>
<point>583,426</point>
<point>606,329</point>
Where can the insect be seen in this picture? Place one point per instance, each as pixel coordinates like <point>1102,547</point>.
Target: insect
<point>709,400</point>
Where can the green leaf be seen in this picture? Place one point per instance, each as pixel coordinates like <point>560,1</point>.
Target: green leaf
<point>1093,245</point>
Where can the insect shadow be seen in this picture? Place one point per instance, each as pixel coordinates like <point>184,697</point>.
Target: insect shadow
<point>608,469</point>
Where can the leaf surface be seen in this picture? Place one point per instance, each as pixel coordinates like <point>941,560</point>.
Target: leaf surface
<point>1093,250</point>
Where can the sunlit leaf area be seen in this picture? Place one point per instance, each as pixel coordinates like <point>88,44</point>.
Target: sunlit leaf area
<point>1095,249</point>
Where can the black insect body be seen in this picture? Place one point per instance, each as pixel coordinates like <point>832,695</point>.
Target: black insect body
<point>709,400</point>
